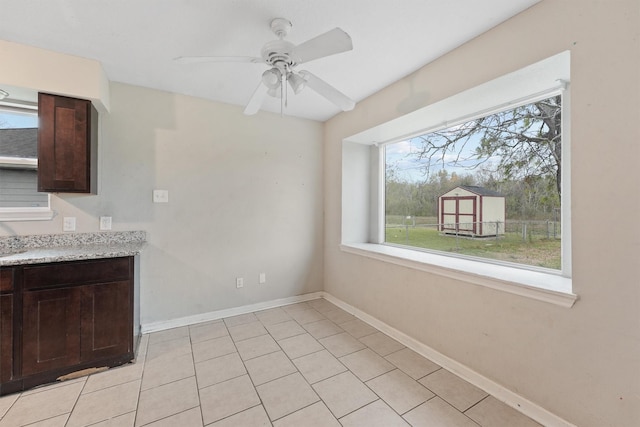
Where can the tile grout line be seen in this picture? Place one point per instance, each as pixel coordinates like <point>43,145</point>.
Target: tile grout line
<point>255,387</point>
<point>247,374</point>
<point>165,384</point>
<point>10,406</point>
<point>144,366</point>
<point>195,373</point>
<point>76,402</point>
<point>476,404</point>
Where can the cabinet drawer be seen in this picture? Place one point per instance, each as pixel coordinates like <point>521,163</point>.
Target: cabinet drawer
<point>77,272</point>
<point>6,279</point>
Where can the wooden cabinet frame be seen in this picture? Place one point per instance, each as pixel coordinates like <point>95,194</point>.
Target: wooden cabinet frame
<point>63,317</point>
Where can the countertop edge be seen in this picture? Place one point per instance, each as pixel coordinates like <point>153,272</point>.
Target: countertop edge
<point>45,255</point>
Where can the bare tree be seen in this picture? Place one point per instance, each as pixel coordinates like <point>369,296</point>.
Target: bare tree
<point>524,143</point>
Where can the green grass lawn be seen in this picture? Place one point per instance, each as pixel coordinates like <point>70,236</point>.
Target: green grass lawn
<point>540,252</point>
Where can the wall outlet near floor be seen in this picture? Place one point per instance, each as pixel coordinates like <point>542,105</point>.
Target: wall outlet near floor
<point>105,223</point>
<point>239,282</point>
<point>69,223</point>
<point>262,279</point>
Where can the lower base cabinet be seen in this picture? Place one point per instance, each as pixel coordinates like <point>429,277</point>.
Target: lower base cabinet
<point>65,317</point>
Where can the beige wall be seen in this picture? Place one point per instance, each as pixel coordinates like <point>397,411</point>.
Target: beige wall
<point>245,197</point>
<point>39,70</point>
<point>581,363</point>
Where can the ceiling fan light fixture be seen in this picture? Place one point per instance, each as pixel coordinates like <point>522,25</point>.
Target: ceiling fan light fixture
<point>271,78</point>
<point>275,92</point>
<point>296,82</point>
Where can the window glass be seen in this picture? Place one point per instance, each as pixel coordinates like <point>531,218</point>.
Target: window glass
<point>488,187</point>
<point>18,159</point>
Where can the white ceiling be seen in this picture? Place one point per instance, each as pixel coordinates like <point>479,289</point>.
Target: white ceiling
<point>136,40</point>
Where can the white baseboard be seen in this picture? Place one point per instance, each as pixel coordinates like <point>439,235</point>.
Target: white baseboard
<point>220,314</point>
<point>498,391</point>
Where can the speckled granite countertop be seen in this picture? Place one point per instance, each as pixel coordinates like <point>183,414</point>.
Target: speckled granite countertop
<point>36,249</point>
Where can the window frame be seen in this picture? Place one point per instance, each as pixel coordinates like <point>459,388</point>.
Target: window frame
<point>25,213</point>
<point>515,104</point>
<point>363,169</point>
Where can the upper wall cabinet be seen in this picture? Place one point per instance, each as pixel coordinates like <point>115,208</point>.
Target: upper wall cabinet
<point>67,145</point>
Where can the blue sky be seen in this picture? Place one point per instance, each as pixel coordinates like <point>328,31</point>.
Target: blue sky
<point>9,120</point>
<point>403,155</point>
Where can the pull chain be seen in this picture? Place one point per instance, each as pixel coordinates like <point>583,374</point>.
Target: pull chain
<point>283,101</point>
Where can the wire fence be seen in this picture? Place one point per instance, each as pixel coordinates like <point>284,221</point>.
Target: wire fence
<point>534,229</point>
<point>525,230</point>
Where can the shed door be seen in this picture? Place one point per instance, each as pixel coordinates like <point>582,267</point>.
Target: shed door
<point>458,213</point>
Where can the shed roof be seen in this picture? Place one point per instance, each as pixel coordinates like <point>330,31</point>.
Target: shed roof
<point>21,142</point>
<point>480,191</point>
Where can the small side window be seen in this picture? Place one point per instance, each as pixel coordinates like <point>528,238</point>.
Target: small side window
<point>19,198</point>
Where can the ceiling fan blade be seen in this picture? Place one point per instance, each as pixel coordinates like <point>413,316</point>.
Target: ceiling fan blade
<point>329,43</point>
<point>325,89</point>
<point>197,59</point>
<point>256,100</point>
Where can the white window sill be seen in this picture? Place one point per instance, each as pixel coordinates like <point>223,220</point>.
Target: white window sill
<point>540,285</point>
<point>26,214</point>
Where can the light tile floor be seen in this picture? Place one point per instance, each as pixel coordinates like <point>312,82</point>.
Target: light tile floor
<point>301,365</point>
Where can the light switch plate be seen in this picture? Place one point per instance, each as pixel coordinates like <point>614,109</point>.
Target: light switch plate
<point>160,196</point>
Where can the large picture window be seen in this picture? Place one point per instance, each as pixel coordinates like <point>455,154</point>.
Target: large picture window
<point>475,186</point>
<point>488,187</point>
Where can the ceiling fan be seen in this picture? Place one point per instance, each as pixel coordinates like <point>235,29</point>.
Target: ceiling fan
<point>282,57</point>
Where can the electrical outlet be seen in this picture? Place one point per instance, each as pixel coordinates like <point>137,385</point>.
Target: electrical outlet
<point>239,282</point>
<point>263,278</point>
<point>160,196</point>
<point>105,223</point>
<point>69,223</point>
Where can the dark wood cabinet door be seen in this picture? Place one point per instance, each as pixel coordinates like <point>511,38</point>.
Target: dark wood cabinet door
<point>106,320</point>
<point>67,144</point>
<point>6,337</point>
<point>6,279</point>
<point>50,329</point>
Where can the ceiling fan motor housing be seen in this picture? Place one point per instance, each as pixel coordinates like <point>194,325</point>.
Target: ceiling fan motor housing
<point>278,53</point>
